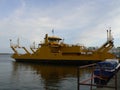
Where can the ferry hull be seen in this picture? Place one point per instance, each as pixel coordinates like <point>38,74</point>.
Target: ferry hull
<point>58,62</point>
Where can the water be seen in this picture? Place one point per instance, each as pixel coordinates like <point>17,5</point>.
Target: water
<point>28,76</point>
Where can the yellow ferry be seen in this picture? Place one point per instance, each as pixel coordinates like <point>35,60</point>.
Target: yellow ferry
<point>54,50</point>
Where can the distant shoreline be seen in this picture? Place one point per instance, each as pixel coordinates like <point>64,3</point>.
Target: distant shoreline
<point>5,53</point>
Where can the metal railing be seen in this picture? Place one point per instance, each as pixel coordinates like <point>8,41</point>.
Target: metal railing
<point>91,79</point>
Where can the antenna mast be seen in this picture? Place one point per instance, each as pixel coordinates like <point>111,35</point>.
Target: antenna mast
<point>109,35</point>
<point>53,32</point>
<point>11,42</point>
<point>18,42</point>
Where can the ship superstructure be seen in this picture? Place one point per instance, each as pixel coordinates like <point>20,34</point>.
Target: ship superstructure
<point>53,49</point>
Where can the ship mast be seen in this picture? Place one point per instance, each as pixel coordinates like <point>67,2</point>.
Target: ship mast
<point>10,42</point>
<point>109,35</point>
<point>53,32</point>
<point>46,39</point>
<point>18,43</point>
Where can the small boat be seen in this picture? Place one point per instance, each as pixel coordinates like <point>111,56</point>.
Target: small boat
<point>105,70</point>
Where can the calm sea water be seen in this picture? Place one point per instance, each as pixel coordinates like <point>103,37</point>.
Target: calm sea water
<point>28,76</point>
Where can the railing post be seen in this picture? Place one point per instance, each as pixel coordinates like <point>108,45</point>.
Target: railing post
<point>91,78</point>
<point>78,78</point>
<point>115,79</point>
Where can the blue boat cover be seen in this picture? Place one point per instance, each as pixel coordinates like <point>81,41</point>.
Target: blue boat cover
<point>107,64</point>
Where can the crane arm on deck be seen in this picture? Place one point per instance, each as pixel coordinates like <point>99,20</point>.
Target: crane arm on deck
<point>14,50</point>
<point>109,43</point>
<point>26,50</point>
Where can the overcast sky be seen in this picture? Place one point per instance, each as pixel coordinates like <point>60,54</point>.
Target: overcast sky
<point>77,21</point>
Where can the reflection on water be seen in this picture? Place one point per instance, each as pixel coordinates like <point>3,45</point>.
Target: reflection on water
<point>52,77</point>
<point>28,76</point>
